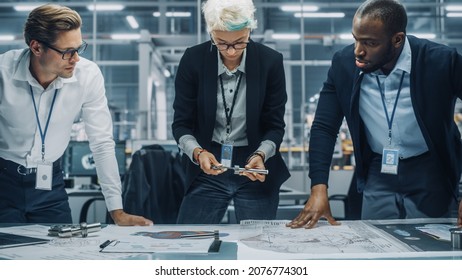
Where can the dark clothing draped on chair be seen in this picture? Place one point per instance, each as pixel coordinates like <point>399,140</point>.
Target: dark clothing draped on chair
<point>154,185</point>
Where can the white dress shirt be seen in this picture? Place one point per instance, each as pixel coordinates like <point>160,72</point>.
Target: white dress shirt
<point>81,96</point>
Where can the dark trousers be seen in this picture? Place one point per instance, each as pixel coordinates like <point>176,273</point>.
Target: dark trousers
<point>419,190</point>
<point>20,202</point>
<point>207,199</point>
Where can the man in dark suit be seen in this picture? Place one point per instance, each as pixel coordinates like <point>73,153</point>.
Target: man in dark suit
<point>229,110</point>
<point>397,93</point>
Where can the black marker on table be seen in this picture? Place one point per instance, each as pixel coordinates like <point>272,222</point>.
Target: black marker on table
<point>105,244</point>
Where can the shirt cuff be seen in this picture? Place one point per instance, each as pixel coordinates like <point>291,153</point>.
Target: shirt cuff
<point>113,202</point>
<point>187,144</point>
<point>268,147</point>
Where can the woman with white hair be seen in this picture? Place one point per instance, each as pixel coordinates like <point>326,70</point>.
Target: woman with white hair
<point>229,111</point>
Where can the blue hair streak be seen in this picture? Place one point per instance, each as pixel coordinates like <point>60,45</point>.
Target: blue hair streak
<point>237,27</point>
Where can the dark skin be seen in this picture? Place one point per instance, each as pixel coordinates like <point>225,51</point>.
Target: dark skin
<point>375,49</point>
<point>459,219</point>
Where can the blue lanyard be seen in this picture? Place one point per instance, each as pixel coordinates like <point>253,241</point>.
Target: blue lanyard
<point>390,120</point>
<point>43,133</point>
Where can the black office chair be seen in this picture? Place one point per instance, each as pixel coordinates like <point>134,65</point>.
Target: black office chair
<point>352,202</point>
<point>86,206</point>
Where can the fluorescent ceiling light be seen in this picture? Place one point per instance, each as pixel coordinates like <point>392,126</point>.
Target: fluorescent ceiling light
<point>424,35</point>
<point>320,15</point>
<point>25,8</point>
<point>454,8</point>
<point>125,36</point>
<point>106,7</point>
<point>173,14</point>
<point>349,36</point>
<point>6,37</point>
<point>346,36</point>
<point>132,21</point>
<point>454,14</point>
<point>298,8</point>
<point>178,14</point>
<point>285,36</point>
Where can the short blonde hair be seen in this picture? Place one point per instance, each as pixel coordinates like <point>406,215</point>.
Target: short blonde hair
<point>47,21</point>
<point>229,15</point>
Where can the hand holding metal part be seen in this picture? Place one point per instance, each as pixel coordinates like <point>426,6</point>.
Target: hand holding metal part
<point>238,170</point>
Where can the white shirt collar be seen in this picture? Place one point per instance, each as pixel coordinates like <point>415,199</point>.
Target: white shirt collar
<point>22,72</point>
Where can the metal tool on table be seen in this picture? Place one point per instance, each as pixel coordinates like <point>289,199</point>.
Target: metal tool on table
<point>215,234</point>
<point>82,229</point>
<point>456,237</point>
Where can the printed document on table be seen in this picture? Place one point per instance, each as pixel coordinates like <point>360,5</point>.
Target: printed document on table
<point>351,239</point>
<point>143,244</point>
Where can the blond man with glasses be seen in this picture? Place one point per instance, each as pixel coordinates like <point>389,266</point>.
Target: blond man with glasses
<point>229,111</point>
<point>43,89</point>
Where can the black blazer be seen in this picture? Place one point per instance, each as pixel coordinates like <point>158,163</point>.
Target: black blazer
<point>436,83</point>
<point>196,102</point>
<point>154,185</point>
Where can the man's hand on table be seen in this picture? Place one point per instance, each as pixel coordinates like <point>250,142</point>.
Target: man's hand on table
<point>123,219</point>
<point>315,208</point>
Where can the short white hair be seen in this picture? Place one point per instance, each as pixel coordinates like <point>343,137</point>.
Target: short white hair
<point>229,15</point>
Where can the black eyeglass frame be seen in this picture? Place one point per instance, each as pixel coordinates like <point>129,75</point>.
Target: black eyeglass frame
<point>80,50</point>
<point>221,46</point>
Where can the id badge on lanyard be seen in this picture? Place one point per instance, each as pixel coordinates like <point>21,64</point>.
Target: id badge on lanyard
<point>390,160</point>
<point>44,176</point>
<point>390,155</point>
<point>227,154</point>
<point>227,146</point>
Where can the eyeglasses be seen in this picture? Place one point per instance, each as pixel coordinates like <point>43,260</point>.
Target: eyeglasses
<point>68,54</point>
<point>235,46</point>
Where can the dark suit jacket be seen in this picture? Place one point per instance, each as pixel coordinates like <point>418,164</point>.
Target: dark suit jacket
<point>436,83</point>
<point>196,102</point>
<point>154,185</point>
